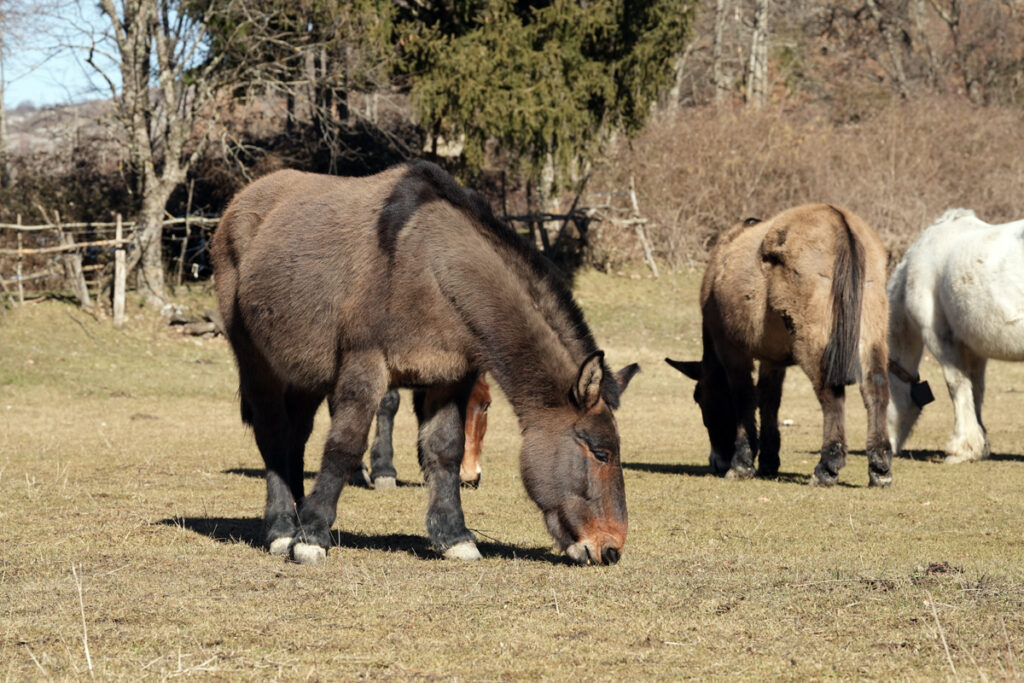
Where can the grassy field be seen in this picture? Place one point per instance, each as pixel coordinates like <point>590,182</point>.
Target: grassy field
<point>131,495</point>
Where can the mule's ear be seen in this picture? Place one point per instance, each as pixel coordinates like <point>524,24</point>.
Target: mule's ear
<point>623,376</point>
<point>691,368</point>
<point>587,390</point>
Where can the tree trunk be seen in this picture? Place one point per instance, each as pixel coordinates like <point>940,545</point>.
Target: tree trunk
<point>757,71</point>
<point>5,167</point>
<point>720,80</point>
<point>150,228</point>
<point>885,26</point>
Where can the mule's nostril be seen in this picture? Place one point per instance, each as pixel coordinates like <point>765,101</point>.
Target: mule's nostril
<point>610,555</point>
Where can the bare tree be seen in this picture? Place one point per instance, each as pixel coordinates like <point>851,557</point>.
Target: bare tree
<point>157,49</point>
<point>757,69</point>
<point>721,82</point>
<point>888,28</point>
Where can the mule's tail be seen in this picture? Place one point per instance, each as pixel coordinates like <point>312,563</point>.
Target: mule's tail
<point>840,364</point>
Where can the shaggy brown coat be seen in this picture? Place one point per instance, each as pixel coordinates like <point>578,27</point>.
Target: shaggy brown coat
<point>343,287</point>
<point>806,288</point>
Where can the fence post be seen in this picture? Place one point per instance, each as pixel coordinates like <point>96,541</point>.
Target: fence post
<point>21,288</point>
<point>73,268</point>
<point>119,276</point>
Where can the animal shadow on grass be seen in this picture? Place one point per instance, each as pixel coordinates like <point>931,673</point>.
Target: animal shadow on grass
<point>260,473</point>
<point>705,471</point>
<point>935,456</point>
<point>249,530</point>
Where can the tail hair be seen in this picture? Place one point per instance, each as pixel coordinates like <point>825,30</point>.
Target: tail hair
<point>840,363</point>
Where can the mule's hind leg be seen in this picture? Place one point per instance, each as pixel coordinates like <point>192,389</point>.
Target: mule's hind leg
<point>769,396</point>
<point>442,414</point>
<point>263,408</point>
<point>382,465</point>
<point>281,522</point>
<point>362,381</point>
<point>833,445</point>
<point>874,390</point>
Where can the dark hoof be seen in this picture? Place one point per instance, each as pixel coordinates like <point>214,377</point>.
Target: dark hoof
<point>880,480</point>
<point>474,484</point>
<point>740,472</point>
<point>360,477</point>
<point>718,466</point>
<point>823,477</point>
<point>768,474</point>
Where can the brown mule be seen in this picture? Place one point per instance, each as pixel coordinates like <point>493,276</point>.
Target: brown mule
<point>341,288</point>
<point>382,473</point>
<point>806,288</point>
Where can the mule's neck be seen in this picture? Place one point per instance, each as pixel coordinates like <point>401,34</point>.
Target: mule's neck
<point>525,337</point>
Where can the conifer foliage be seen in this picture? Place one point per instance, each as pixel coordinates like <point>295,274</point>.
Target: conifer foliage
<point>547,81</point>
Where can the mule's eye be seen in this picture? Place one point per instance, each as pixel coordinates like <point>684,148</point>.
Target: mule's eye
<point>602,456</point>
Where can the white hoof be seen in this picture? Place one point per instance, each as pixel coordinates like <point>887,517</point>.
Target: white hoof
<point>279,546</point>
<point>305,553</point>
<point>466,550</point>
<point>957,458</point>
<point>385,483</point>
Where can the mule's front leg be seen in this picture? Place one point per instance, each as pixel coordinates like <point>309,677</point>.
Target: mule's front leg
<point>833,446</point>
<point>741,387</point>
<point>382,465</point>
<point>442,412</point>
<point>969,441</point>
<point>769,396</point>
<point>361,383</point>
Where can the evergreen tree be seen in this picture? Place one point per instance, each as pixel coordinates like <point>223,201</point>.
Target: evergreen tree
<point>547,81</point>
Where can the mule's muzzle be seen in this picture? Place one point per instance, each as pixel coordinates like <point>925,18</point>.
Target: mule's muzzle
<point>586,552</point>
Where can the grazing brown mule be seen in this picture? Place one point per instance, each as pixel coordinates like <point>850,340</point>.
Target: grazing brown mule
<point>340,288</point>
<point>806,287</point>
<point>382,473</point>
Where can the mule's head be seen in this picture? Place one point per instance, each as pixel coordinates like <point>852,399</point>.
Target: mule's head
<point>712,395</point>
<point>571,467</point>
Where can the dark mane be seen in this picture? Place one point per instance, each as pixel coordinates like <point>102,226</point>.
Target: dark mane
<point>425,182</point>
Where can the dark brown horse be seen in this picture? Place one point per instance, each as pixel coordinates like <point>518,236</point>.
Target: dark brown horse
<point>341,288</point>
<point>806,288</point>
<point>382,474</point>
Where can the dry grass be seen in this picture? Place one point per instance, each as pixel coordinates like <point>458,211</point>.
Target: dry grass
<point>899,166</point>
<point>123,465</point>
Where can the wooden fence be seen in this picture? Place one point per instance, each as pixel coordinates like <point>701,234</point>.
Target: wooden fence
<point>65,245</point>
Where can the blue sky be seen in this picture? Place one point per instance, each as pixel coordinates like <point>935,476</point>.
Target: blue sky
<point>59,80</point>
<point>41,73</point>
